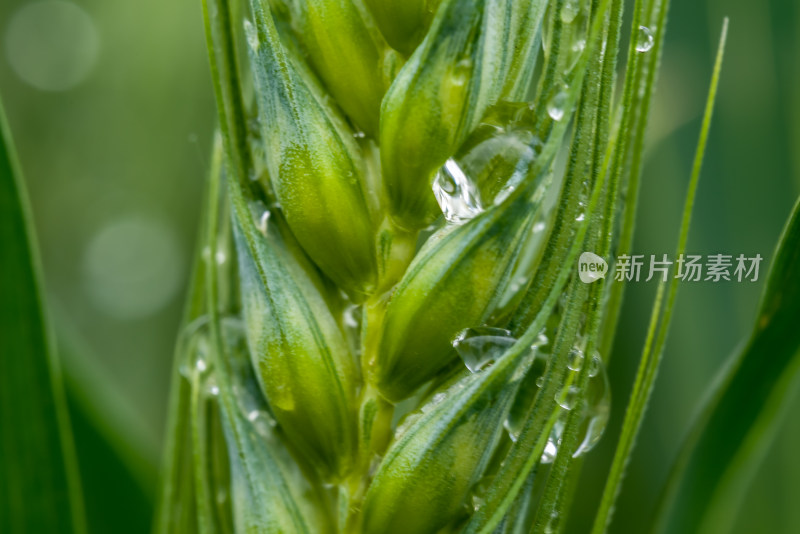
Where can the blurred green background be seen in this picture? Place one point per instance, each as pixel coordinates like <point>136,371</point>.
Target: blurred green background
<point>112,109</point>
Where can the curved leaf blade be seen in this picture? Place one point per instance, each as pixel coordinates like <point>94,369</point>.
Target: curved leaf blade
<point>39,486</point>
<point>737,423</point>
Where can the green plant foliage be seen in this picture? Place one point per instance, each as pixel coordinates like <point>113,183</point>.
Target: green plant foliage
<point>39,483</point>
<point>740,417</point>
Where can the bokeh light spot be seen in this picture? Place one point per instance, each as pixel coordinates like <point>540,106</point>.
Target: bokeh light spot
<point>52,44</point>
<point>133,267</point>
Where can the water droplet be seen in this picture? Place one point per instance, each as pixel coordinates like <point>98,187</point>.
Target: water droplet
<point>461,72</point>
<point>480,346</point>
<point>644,39</point>
<point>578,46</point>
<point>552,523</point>
<point>575,359</point>
<point>201,365</point>
<point>566,397</point>
<point>263,223</point>
<point>547,34</point>
<point>512,430</point>
<point>261,421</point>
<point>251,34</point>
<point>477,502</point>
<point>596,365</point>
<point>359,135</point>
<point>352,316</point>
<point>541,340</point>
<point>501,151</point>
<point>553,441</point>
<point>580,217</point>
<point>569,11</point>
<point>555,107</point>
<point>526,395</point>
<point>457,196</point>
<point>539,227</point>
<point>596,408</point>
<point>478,492</point>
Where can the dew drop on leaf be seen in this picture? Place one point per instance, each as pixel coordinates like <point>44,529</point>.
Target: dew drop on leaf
<point>567,397</point>
<point>553,441</point>
<point>480,346</point>
<point>458,197</point>
<point>555,107</point>
<point>597,406</point>
<point>263,223</point>
<point>644,39</point>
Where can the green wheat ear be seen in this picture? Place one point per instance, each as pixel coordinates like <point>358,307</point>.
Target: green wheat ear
<point>398,341</point>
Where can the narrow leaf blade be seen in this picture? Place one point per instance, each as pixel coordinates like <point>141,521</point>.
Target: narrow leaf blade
<point>739,420</point>
<point>39,487</point>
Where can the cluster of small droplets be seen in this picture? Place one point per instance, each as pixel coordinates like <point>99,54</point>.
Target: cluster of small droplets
<point>478,347</point>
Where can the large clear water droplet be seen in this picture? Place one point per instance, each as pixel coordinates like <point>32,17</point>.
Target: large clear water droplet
<point>644,39</point>
<point>567,397</point>
<point>501,152</point>
<point>575,359</point>
<point>457,196</point>
<point>480,346</point>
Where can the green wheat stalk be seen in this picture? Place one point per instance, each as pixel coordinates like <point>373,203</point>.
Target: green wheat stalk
<point>386,331</point>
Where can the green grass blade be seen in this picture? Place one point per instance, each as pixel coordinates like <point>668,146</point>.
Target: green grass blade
<point>116,501</point>
<point>113,417</point>
<point>39,482</point>
<point>220,41</point>
<point>733,430</point>
<point>640,84</point>
<point>659,324</point>
<point>117,450</point>
<point>176,507</point>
